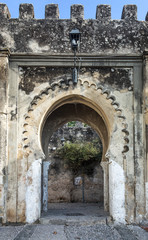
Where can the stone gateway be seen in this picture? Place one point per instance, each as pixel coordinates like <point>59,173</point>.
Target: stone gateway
<point>37,96</point>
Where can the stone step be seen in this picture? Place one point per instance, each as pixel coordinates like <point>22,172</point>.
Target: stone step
<point>81,220</point>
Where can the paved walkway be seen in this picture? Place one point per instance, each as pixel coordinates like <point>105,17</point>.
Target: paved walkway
<point>74,222</point>
<point>73,232</point>
<point>65,213</point>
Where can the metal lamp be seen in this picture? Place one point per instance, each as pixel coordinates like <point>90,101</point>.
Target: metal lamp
<point>75,39</point>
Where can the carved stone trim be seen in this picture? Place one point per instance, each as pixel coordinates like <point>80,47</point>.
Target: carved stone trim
<point>63,85</point>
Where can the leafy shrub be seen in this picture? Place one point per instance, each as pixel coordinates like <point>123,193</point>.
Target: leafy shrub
<point>80,157</point>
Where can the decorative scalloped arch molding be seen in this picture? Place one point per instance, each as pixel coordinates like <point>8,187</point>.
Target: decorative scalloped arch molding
<point>68,85</point>
<point>46,101</point>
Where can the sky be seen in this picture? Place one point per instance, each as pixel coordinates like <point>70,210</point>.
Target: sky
<point>89,7</point>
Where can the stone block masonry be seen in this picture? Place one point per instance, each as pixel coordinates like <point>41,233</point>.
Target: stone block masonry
<point>61,187</point>
<point>26,11</point>
<point>51,35</point>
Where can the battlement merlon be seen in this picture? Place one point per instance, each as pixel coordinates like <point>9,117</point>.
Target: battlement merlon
<point>77,12</point>
<point>103,12</point>
<point>52,11</point>
<point>26,11</point>
<point>129,12</point>
<point>4,11</point>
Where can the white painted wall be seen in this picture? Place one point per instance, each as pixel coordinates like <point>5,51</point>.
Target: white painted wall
<point>116,192</point>
<point>146,193</point>
<point>33,192</point>
<point>45,185</point>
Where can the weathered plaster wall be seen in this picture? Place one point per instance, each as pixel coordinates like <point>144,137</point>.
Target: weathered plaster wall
<point>111,88</point>
<point>145,95</point>
<point>96,76</point>
<point>3,130</point>
<point>38,100</point>
<point>116,78</point>
<point>33,192</point>
<point>117,191</point>
<point>42,93</point>
<point>51,35</point>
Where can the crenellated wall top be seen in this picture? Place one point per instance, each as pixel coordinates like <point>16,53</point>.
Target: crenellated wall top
<point>51,35</point>
<point>103,11</point>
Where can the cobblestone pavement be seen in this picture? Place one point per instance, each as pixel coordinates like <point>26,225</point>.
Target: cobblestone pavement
<point>74,222</point>
<point>73,232</point>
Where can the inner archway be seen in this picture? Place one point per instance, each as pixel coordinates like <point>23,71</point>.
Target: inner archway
<point>74,111</point>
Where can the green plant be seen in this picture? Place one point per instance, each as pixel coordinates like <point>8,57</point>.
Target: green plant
<point>71,124</point>
<point>80,157</point>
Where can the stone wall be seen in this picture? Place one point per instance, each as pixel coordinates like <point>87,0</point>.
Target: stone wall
<point>61,181</point>
<point>51,35</point>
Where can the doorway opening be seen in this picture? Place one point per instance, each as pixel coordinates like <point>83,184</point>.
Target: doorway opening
<point>86,104</point>
<point>60,186</point>
<point>75,174</point>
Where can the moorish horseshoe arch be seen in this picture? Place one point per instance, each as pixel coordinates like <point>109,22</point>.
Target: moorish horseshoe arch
<point>104,103</point>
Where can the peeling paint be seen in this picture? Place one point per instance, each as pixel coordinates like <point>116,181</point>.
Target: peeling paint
<point>146,191</point>
<point>33,192</point>
<point>7,38</point>
<point>116,191</point>
<point>34,46</point>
